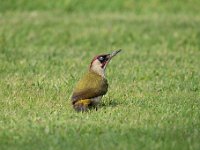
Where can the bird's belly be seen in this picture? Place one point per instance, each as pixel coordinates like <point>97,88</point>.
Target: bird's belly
<point>96,100</point>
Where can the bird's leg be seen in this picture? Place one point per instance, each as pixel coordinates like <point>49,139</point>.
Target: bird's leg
<point>94,105</point>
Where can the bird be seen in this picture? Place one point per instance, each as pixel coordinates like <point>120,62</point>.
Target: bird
<point>90,89</point>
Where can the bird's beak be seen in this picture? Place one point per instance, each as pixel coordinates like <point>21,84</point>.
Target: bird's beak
<point>110,56</point>
<point>114,53</point>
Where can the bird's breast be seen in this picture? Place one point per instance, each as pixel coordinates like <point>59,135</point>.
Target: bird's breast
<point>96,100</point>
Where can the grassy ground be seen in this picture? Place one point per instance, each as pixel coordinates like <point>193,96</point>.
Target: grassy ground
<point>154,96</point>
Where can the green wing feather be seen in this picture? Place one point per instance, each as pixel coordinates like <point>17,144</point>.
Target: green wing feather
<point>90,86</point>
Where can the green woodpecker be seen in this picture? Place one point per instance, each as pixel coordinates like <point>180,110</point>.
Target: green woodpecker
<point>90,89</point>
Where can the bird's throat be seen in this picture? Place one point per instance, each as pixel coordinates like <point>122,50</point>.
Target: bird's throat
<point>98,70</point>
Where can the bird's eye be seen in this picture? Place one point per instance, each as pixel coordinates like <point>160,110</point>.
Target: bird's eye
<point>101,58</point>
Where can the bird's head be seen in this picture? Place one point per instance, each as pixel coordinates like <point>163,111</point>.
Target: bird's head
<point>100,62</point>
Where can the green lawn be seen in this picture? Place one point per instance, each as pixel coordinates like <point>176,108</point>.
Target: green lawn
<point>154,94</point>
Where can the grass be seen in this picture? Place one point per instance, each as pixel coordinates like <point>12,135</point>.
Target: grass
<point>154,95</point>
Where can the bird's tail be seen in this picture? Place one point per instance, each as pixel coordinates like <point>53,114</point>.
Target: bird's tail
<point>82,105</point>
